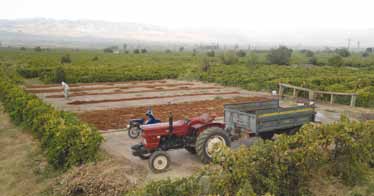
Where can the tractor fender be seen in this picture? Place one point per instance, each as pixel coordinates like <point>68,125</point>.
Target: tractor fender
<point>200,128</point>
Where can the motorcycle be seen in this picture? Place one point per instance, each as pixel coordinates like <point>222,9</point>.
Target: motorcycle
<point>133,127</point>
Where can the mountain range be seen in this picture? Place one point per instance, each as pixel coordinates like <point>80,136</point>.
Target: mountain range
<point>99,34</point>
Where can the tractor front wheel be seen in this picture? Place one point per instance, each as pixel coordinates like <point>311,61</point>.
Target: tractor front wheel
<point>210,141</point>
<point>159,162</point>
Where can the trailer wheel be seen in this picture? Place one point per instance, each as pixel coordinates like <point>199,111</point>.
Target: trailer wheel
<point>293,130</point>
<point>159,162</point>
<point>190,149</point>
<point>134,132</point>
<point>207,141</point>
<point>267,135</point>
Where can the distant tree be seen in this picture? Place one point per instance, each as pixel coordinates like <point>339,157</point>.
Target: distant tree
<point>167,51</point>
<point>205,64</point>
<point>241,53</point>
<point>253,59</point>
<point>95,58</point>
<point>365,54</point>
<point>228,58</point>
<point>108,50</point>
<point>369,50</point>
<point>124,47</point>
<point>336,61</point>
<point>194,52</point>
<point>23,48</point>
<point>236,46</point>
<point>307,53</point>
<point>211,53</point>
<point>143,50</point>
<point>280,56</point>
<point>65,59</point>
<point>181,49</point>
<point>59,74</point>
<point>38,49</point>
<point>136,51</point>
<point>313,60</point>
<point>327,50</point>
<point>343,52</point>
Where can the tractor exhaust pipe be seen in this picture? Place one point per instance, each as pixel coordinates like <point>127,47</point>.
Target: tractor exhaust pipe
<point>170,123</point>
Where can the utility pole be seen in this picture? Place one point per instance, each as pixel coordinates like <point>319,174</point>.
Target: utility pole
<point>358,45</point>
<point>349,43</point>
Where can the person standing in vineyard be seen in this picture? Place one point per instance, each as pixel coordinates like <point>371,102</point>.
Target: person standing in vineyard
<point>66,89</point>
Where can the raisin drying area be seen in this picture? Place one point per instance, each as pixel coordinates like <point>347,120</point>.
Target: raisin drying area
<point>111,105</point>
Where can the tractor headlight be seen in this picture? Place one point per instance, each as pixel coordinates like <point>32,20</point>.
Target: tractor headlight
<point>128,126</point>
<point>144,141</point>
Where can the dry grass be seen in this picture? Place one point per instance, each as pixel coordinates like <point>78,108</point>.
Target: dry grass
<point>23,169</point>
<point>105,178</point>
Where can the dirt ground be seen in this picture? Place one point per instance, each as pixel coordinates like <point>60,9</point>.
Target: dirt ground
<point>23,168</point>
<point>109,106</point>
<point>107,96</point>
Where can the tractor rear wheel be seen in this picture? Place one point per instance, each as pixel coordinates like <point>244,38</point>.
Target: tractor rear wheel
<point>159,162</point>
<point>210,141</point>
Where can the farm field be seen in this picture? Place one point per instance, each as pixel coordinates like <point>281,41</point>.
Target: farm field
<point>111,105</point>
<point>106,93</point>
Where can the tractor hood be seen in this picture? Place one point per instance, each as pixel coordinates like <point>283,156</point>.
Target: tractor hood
<point>161,126</point>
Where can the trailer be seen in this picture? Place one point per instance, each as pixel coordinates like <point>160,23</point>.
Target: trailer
<point>265,118</point>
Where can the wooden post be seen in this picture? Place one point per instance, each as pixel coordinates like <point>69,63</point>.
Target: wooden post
<point>353,101</point>
<point>332,99</point>
<point>280,91</point>
<point>311,95</point>
<point>294,92</point>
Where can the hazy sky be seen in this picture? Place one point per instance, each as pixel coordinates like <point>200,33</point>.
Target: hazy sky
<point>276,15</point>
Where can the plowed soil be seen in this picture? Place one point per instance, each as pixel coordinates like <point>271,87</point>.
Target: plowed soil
<point>118,118</point>
<point>78,102</point>
<point>95,84</point>
<point>184,88</point>
<point>78,89</point>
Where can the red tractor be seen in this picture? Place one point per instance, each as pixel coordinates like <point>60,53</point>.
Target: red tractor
<point>198,135</point>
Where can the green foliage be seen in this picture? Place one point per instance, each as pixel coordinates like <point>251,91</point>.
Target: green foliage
<point>228,58</point>
<point>108,50</point>
<point>253,59</point>
<point>336,61</point>
<point>241,53</point>
<point>95,58</point>
<point>159,65</point>
<point>211,53</point>
<point>281,167</point>
<point>38,49</point>
<point>59,75</point>
<point>343,52</point>
<point>65,139</point>
<point>65,59</point>
<point>205,64</point>
<point>280,56</point>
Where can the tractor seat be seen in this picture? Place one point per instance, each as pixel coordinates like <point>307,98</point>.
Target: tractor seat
<point>164,125</point>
